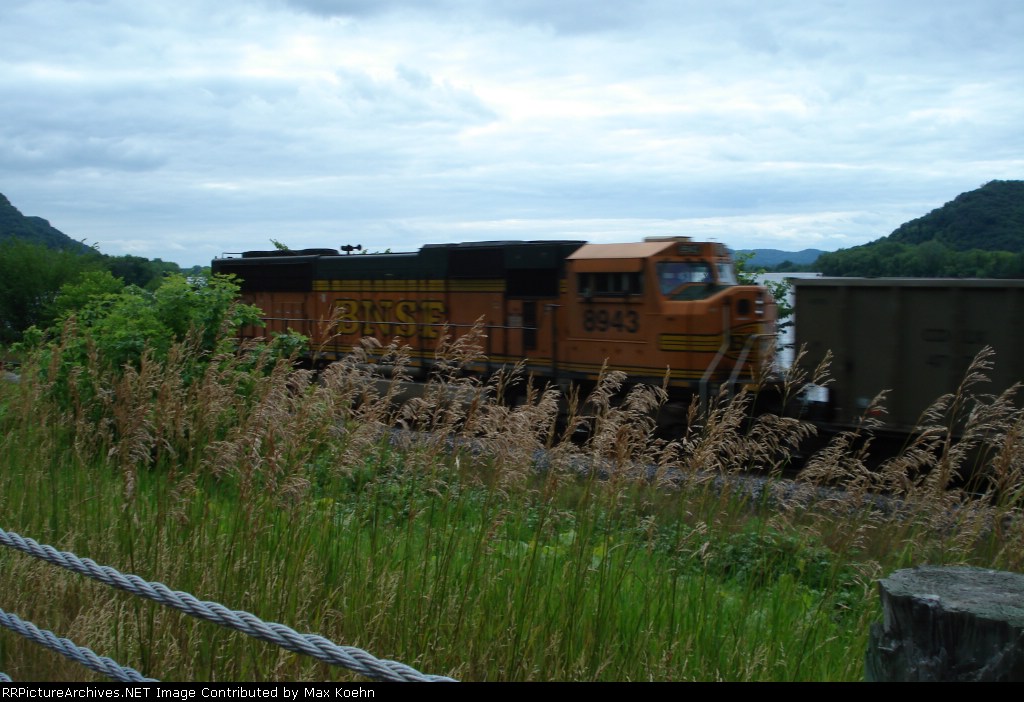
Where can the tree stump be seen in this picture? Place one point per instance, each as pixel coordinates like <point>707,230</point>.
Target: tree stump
<point>948,623</point>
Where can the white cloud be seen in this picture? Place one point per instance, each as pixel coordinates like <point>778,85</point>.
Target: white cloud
<point>182,130</point>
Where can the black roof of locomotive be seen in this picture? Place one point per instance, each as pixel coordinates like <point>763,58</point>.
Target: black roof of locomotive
<point>296,270</point>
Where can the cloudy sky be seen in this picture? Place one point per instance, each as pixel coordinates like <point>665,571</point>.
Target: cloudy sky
<point>182,129</point>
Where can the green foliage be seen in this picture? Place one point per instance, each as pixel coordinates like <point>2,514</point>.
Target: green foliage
<point>36,260</point>
<point>759,557</point>
<point>207,306</point>
<point>779,289</point>
<point>116,328</point>
<point>134,270</point>
<point>990,218</point>
<point>291,344</point>
<point>197,271</point>
<point>30,277</point>
<point>143,272</point>
<point>77,294</point>
<point>741,261</point>
<point>447,550</point>
<point>931,259</point>
<point>34,230</point>
<point>980,234</point>
<point>119,326</point>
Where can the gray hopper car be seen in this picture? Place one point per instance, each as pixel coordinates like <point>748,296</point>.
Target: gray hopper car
<point>914,337</point>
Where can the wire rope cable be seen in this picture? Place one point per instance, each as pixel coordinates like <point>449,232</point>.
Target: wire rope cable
<point>68,649</point>
<point>350,657</point>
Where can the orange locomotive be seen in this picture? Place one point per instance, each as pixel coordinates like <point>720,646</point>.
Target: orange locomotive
<point>566,307</point>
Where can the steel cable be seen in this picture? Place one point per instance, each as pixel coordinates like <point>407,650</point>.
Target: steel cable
<point>354,659</point>
<point>68,649</point>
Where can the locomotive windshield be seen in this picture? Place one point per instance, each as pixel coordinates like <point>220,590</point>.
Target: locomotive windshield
<point>726,273</point>
<point>693,280</point>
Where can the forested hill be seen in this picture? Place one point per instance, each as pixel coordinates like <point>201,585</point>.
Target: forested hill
<point>990,218</point>
<point>979,234</point>
<point>36,260</point>
<point>35,230</point>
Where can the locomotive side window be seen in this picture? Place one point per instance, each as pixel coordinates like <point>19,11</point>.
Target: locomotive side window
<point>726,273</point>
<point>673,275</point>
<point>610,284</point>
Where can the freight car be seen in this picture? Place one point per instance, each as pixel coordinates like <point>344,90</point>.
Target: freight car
<point>912,336</point>
<point>662,306</point>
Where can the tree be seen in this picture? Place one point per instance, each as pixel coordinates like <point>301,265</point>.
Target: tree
<point>30,277</point>
<point>135,270</point>
<point>780,289</point>
<point>88,286</point>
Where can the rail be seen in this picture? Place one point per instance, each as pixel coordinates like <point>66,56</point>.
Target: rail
<point>751,340</point>
<point>354,659</point>
<point>719,355</point>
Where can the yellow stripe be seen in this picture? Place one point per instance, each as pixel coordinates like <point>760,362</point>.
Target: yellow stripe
<point>378,285</point>
<point>689,342</point>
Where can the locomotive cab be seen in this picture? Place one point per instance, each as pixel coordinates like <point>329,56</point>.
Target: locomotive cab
<point>667,305</point>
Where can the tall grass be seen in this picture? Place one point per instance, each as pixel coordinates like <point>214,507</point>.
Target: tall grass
<point>478,540</point>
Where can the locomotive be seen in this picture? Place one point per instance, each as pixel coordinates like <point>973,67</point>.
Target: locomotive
<point>661,310</point>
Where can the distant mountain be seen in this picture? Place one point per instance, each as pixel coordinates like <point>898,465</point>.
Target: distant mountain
<point>990,218</point>
<point>979,234</point>
<point>35,230</point>
<point>770,258</point>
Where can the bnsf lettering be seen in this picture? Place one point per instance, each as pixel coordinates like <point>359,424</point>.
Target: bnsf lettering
<point>387,318</point>
<point>602,320</point>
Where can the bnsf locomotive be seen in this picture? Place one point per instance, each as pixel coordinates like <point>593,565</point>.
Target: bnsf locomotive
<point>664,305</point>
